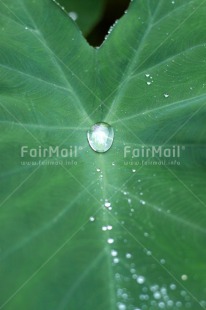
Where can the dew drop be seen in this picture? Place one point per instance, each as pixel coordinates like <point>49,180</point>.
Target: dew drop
<point>73,15</point>
<point>121,306</point>
<point>114,253</point>
<point>110,240</point>
<point>161,305</point>
<point>166,95</point>
<point>142,202</point>
<point>172,286</point>
<point>178,304</point>
<point>128,255</point>
<point>170,303</point>
<point>184,277</point>
<point>107,204</point>
<point>91,219</point>
<point>116,260</point>
<point>157,295</point>
<point>100,137</point>
<point>140,279</point>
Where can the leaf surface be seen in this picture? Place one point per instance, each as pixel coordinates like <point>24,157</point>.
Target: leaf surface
<point>61,248</point>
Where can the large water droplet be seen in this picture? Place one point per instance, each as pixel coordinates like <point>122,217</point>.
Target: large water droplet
<point>100,137</point>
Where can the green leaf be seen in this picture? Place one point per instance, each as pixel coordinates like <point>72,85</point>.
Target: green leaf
<point>61,247</point>
<point>85,13</point>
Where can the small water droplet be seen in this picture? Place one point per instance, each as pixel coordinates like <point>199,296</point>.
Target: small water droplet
<point>170,303</point>
<point>132,270</point>
<point>166,95</point>
<point>107,204</point>
<point>110,240</point>
<point>142,202</point>
<point>140,279</point>
<point>121,306</point>
<point>157,295</point>
<point>203,303</point>
<point>114,253</point>
<point>172,286</point>
<point>149,83</point>
<point>91,219</point>
<point>116,260</point>
<point>161,305</point>
<point>100,137</point>
<point>128,255</point>
<point>133,170</point>
<point>73,15</point>
<point>184,277</point>
<point>178,304</point>
<point>147,74</point>
<point>98,170</point>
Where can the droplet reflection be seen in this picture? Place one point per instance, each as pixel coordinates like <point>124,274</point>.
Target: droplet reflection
<point>100,137</point>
